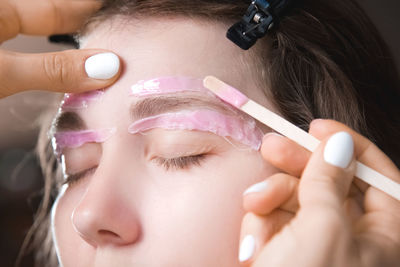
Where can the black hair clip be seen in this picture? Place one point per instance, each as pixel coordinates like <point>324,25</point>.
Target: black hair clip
<point>260,17</point>
<point>67,39</point>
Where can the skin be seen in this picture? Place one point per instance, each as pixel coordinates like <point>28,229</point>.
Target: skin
<point>314,219</point>
<point>130,211</point>
<point>60,71</point>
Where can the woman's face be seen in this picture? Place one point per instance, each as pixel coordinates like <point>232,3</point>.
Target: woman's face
<point>157,196</point>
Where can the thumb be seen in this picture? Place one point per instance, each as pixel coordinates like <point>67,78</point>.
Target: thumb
<point>66,71</point>
<point>328,175</point>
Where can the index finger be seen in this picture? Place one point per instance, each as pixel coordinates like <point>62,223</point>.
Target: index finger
<point>44,17</point>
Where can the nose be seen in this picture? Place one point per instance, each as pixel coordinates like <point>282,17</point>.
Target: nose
<point>106,214</point>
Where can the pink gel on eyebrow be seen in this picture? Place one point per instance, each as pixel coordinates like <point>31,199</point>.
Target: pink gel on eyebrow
<point>225,92</point>
<point>233,96</point>
<point>245,132</point>
<point>80,101</point>
<point>73,139</point>
<point>166,85</point>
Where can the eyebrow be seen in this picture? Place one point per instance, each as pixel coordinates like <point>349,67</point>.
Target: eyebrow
<point>68,121</point>
<point>146,107</point>
<point>158,105</point>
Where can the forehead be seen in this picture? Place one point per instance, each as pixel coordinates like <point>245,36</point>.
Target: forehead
<point>162,48</point>
<point>174,47</point>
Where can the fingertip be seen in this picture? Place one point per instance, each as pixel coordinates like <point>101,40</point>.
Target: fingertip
<point>321,128</point>
<point>256,188</point>
<point>270,141</point>
<point>88,69</point>
<point>317,126</point>
<point>284,154</point>
<point>279,190</point>
<point>253,197</point>
<point>272,135</point>
<point>316,122</point>
<point>256,198</point>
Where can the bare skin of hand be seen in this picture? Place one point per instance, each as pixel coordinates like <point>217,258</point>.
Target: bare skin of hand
<point>318,214</point>
<point>61,71</point>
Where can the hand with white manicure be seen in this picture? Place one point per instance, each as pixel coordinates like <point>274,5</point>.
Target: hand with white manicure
<point>316,213</point>
<point>67,71</point>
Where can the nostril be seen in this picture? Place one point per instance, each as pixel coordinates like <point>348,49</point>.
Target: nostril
<point>105,237</point>
<point>107,233</point>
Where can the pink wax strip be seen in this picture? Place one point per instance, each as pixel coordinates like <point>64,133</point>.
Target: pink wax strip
<point>166,85</point>
<point>73,139</point>
<point>243,131</point>
<point>225,92</point>
<point>233,96</point>
<point>79,101</point>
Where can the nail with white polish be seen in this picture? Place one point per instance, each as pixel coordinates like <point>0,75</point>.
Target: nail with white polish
<point>102,66</point>
<point>247,248</point>
<point>339,150</point>
<point>256,188</point>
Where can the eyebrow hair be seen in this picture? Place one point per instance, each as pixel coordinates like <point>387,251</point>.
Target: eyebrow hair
<point>146,107</point>
<point>157,105</point>
<point>68,121</point>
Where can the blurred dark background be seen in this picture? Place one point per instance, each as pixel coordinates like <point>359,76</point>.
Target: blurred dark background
<point>20,176</point>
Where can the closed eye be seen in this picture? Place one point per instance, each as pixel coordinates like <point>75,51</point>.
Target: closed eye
<point>180,163</point>
<point>72,179</point>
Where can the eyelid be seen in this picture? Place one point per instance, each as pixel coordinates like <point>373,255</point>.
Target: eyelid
<point>77,159</point>
<point>171,149</point>
<point>76,177</point>
<point>181,163</point>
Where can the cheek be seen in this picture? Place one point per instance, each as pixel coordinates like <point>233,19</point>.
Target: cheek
<point>231,180</point>
<point>207,213</point>
<point>241,171</point>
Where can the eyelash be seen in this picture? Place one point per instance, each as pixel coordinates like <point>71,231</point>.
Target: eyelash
<point>76,177</point>
<point>179,163</point>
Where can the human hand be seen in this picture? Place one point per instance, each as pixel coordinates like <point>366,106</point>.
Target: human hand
<point>314,221</point>
<point>67,71</point>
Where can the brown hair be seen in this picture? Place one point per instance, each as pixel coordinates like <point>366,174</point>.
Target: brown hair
<point>325,60</point>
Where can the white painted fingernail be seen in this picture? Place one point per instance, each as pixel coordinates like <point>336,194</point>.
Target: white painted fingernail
<point>339,150</point>
<point>247,248</point>
<point>102,66</point>
<point>256,188</point>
